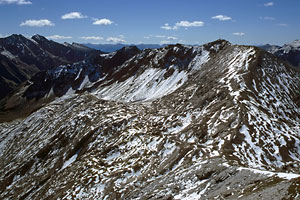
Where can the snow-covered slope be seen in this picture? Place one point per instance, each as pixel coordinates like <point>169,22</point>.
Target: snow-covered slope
<point>218,121</point>
<point>167,70</point>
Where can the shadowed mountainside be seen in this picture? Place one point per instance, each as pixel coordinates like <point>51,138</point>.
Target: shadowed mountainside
<point>21,58</point>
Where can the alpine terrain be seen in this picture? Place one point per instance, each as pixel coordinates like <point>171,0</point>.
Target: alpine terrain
<point>21,58</point>
<point>288,52</point>
<point>217,121</point>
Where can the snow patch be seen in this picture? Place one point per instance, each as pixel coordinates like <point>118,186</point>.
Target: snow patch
<point>150,85</point>
<point>287,176</point>
<point>8,54</point>
<point>70,161</point>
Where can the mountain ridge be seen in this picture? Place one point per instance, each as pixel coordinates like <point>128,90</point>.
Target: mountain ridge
<point>114,47</point>
<point>21,58</point>
<point>188,122</point>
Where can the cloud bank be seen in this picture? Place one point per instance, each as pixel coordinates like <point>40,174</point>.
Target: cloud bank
<point>184,24</point>
<point>59,37</point>
<point>239,34</point>
<point>92,38</point>
<point>116,39</point>
<point>37,23</point>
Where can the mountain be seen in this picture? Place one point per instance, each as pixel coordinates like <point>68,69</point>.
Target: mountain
<point>114,47</point>
<point>56,82</point>
<point>21,58</point>
<point>217,121</point>
<point>270,48</point>
<point>288,52</point>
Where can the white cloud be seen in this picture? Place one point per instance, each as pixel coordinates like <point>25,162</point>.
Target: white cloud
<point>37,23</point>
<point>162,37</point>
<point>18,2</point>
<point>222,17</point>
<point>269,4</point>
<point>267,18</point>
<point>59,37</point>
<point>282,24</point>
<point>73,15</point>
<point>103,22</point>
<point>116,39</point>
<point>166,27</point>
<point>187,24</point>
<point>184,24</point>
<point>172,38</point>
<point>92,38</point>
<point>165,42</point>
<point>239,34</point>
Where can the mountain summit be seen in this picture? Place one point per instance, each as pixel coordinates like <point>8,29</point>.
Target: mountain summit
<point>180,122</point>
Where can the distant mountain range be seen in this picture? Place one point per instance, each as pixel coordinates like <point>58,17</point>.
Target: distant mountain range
<point>114,47</point>
<point>288,52</point>
<point>21,58</point>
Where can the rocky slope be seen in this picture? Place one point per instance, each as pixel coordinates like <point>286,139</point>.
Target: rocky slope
<point>21,58</point>
<point>217,121</point>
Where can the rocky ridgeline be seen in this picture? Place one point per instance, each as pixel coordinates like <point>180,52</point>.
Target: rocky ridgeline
<point>217,121</point>
<point>21,58</point>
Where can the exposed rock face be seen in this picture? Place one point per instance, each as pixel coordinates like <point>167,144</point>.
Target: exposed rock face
<point>21,58</point>
<point>218,121</point>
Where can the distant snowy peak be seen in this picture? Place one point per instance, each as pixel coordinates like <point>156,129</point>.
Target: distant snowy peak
<point>78,46</point>
<point>114,47</point>
<point>288,52</point>
<point>14,38</point>
<point>295,44</point>
<point>270,48</point>
<point>39,38</point>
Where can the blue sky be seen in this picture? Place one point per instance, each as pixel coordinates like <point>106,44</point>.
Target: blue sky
<point>155,21</point>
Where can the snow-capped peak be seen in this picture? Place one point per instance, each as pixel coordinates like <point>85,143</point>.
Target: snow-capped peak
<point>295,44</point>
